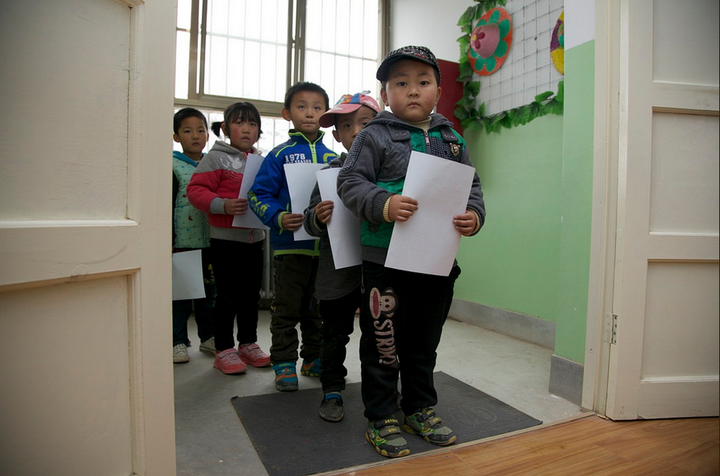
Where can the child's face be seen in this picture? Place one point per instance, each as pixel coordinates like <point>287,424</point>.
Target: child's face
<point>347,126</point>
<point>305,110</point>
<point>192,135</point>
<point>411,90</point>
<point>243,134</point>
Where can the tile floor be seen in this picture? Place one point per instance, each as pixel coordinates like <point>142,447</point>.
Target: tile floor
<point>211,440</point>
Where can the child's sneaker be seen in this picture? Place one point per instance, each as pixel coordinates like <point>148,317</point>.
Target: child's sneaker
<point>331,407</point>
<point>424,423</point>
<point>180,354</point>
<point>386,438</point>
<point>311,369</point>
<point>228,362</point>
<point>285,377</point>
<point>251,354</point>
<point>208,346</point>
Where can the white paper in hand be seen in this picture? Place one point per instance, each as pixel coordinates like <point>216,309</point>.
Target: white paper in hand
<point>301,181</point>
<point>249,219</point>
<point>187,276</point>
<point>343,227</point>
<point>428,242</point>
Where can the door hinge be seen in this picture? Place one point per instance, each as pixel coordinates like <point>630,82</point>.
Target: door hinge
<point>610,334</point>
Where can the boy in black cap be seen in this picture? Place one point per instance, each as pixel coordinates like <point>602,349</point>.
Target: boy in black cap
<point>402,312</point>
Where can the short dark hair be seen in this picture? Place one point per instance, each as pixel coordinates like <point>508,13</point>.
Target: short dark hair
<point>183,114</point>
<point>243,110</point>
<point>305,86</point>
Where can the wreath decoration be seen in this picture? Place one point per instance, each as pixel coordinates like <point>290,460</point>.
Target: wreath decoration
<point>557,44</point>
<point>490,41</point>
<point>471,115</point>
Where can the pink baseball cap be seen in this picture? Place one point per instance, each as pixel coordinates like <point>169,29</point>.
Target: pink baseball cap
<point>348,103</point>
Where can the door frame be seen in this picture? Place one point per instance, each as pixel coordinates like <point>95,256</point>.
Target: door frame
<point>612,83</point>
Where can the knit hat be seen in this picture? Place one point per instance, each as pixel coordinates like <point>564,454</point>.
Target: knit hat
<point>419,53</point>
<point>346,104</point>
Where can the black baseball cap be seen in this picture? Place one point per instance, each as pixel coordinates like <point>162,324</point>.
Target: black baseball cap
<point>419,53</point>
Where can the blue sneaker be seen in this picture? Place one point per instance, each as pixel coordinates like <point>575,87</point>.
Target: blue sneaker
<point>285,377</point>
<point>311,369</point>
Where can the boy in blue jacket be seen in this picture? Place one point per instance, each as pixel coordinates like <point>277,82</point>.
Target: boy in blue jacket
<point>295,262</point>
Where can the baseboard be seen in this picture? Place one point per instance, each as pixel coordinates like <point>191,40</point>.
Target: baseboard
<point>519,326</point>
<point>566,376</point>
<point>566,379</point>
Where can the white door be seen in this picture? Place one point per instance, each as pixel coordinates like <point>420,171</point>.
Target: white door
<point>85,307</point>
<point>663,326</point>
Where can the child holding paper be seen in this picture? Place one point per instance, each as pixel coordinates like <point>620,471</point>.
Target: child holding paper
<point>295,262</point>
<point>402,312</point>
<point>337,289</point>
<point>191,232</point>
<point>236,252</point>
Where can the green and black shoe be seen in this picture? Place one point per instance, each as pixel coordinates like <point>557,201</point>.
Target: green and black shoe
<point>386,438</point>
<point>425,423</point>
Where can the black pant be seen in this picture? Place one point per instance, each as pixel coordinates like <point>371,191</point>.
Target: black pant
<point>238,269</point>
<point>338,317</point>
<point>401,319</point>
<point>294,303</point>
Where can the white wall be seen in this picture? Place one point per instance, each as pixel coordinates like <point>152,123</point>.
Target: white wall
<point>431,24</point>
<point>579,22</point>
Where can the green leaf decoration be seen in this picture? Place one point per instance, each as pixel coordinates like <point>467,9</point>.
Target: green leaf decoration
<point>473,117</point>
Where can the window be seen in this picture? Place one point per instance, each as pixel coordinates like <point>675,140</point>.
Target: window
<point>232,50</point>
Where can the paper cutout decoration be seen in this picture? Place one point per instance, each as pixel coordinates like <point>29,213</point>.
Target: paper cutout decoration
<point>490,41</point>
<point>557,44</point>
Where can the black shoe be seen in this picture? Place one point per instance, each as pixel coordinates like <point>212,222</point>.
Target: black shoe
<point>331,408</point>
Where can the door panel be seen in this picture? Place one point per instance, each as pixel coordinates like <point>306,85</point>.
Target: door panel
<point>663,360</point>
<point>85,261</point>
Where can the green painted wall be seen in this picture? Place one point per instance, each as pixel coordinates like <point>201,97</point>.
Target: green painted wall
<point>577,181</point>
<point>532,256</point>
<point>513,262</point>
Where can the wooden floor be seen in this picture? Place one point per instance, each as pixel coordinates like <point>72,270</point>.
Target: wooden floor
<point>588,445</point>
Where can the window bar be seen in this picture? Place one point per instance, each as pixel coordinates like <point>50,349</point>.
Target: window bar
<point>299,43</point>
<point>200,88</point>
<point>193,59</point>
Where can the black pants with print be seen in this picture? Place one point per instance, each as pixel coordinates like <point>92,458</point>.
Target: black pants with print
<point>294,303</point>
<point>338,317</point>
<point>401,318</point>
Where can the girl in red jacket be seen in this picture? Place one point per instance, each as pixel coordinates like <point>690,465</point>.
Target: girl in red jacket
<point>236,253</point>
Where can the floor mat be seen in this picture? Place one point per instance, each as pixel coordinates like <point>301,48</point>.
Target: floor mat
<point>292,440</point>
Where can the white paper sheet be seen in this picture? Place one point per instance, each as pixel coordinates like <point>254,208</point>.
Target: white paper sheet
<point>187,275</point>
<point>428,242</point>
<point>249,219</point>
<point>301,180</point>
<point>343,227</point>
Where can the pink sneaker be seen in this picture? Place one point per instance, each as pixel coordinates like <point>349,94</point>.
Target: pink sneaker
<point>253,355</point>
<point>228,362</point>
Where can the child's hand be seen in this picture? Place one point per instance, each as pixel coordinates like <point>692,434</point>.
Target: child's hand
<point>401,208</point>
<point>292,221</point>
<point>465,223</point>
<point>323,211</point>
<point>236,206</point>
